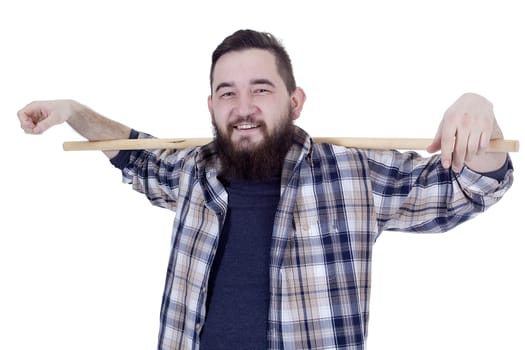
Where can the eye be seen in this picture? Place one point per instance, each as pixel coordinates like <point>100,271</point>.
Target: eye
<point>227,94</point>
<point>261,91</point>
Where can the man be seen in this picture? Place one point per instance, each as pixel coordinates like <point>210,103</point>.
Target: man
<point>273,233</point>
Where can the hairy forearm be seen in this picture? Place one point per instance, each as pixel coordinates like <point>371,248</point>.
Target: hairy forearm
<point>94,126</point>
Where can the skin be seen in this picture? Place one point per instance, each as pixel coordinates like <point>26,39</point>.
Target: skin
<point>38,116</point>
<point>465,132</point>
<point>247,93</point>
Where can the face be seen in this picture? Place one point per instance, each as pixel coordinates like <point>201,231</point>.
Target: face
<point>249,100</point>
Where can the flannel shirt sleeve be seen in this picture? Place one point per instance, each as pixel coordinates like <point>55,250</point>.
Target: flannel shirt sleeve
<point>416,194</point>
<point>155,173</point>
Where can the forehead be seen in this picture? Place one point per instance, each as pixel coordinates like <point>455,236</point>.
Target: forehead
<point>245,65</point>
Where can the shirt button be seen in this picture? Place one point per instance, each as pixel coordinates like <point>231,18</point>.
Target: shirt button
<point>305,227</point>
<point>198,327</point>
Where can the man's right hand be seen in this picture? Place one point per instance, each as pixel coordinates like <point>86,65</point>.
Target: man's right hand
<point>38,116</point>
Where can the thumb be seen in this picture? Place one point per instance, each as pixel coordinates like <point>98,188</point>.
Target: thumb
<point>44,124</point>
<point>435,145</point>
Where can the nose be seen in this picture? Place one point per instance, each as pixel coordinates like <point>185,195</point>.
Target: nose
<point>245,105</point>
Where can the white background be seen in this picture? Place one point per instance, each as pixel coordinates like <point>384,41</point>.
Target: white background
<point>83,257</point>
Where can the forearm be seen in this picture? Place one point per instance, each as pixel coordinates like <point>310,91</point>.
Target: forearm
<point>428,197</point>
<point>94,126</point>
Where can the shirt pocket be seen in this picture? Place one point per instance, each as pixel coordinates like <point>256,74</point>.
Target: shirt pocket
<point>312,225</point>
<point>308,247</point>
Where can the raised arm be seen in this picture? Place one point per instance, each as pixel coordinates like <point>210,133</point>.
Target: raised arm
<point>464,134</point>
<point>38,116</point>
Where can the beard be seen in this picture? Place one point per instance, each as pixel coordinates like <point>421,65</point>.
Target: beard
<point>260,162</point>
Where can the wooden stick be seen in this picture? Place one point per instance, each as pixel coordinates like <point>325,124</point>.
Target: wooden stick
<point>359,142</point>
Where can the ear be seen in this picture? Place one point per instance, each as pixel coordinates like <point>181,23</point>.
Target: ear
<point>210,106</point>
<point>298,98</point>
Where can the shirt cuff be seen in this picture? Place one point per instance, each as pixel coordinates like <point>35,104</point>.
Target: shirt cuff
<point>121,160</point>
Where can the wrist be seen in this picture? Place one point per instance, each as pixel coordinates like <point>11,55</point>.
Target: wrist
<point>73,110</point>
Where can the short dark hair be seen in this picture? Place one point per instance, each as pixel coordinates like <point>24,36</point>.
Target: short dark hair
<point>250,39</point>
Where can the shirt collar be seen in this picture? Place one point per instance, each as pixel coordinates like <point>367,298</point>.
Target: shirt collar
<point>301,149</point>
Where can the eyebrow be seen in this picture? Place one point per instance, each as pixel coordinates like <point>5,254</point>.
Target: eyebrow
<point>261,82</point>
<point>252,82</point>
<point>223,85</point>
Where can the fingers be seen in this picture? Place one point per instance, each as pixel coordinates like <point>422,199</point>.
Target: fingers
<point>473,143</point>
<point>42,126</point>
<point>464,132</point>
<point>448,141</point>
<point>460,150</point>
<point>38,116</point>
<point>29,116</point>
<point>461,141</point>
<point>436,142</point>
<point>26,123</point>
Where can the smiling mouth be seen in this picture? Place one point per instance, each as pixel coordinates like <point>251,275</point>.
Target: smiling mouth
<point>246,126</point>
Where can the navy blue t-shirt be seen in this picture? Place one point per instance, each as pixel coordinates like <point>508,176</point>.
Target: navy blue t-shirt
<point>238,289</point>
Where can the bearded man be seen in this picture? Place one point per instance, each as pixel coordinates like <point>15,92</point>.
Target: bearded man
<point>273,233</point>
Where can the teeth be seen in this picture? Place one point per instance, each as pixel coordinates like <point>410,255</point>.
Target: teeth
<point>246,126</point>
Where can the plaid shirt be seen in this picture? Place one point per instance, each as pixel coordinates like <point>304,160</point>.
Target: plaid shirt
<point>334,204</point>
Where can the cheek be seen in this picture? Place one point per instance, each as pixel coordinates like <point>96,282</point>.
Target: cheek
<point>220,122</point>
<point>281,116</point>
<point>218,115</point>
